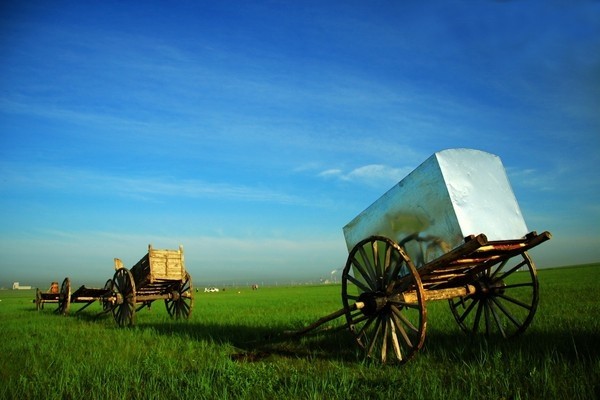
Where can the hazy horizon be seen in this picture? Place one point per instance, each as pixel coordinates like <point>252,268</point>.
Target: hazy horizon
<point>251,133</point>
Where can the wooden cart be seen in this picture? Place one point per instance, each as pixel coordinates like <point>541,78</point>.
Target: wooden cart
<point>84,295</point>
<point>50,296</point>
<point>160,274</point>
<point>491,286</point>
<point>421,241</point>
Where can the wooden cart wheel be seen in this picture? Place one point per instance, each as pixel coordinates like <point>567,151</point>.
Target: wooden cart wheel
<point>180,306</point>
<point>384,301</point>
<point>123,288</point>
<point>505,299</point>
<point>39,303</point>
<point>108,296</point>
<point>64,297</point>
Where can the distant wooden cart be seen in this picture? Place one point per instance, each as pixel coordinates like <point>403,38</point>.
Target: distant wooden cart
<point>84,295</point>
<point>50,296</point>
<point>159,275</point>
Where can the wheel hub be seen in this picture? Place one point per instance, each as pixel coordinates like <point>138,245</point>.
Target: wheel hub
<point>486,287</point>
<point>373,302</point>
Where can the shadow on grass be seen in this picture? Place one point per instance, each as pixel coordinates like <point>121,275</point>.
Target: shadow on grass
<point>575,346</point>
<point>258,342</point>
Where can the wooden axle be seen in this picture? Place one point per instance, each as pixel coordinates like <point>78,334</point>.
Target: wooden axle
<point>84,299</point>
<point>152,297</point>
<point>437,294</point>
<point>140,298</point>
<point>405,297</point>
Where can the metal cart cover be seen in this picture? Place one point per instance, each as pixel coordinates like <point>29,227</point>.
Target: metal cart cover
<point>453,194</point>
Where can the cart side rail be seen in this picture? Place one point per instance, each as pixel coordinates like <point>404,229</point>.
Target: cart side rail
<point>474,256</point>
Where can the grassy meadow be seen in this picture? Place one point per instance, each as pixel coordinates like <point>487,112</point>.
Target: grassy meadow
<point>230,349</point>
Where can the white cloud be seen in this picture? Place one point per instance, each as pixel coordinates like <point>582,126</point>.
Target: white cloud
<point>372,174</point>
<point>331,173</point>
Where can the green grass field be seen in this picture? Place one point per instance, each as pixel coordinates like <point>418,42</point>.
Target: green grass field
<point>229,348</point>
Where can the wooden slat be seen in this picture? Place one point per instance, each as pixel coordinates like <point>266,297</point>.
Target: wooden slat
<point>475,255</point>
<point>167,264</point>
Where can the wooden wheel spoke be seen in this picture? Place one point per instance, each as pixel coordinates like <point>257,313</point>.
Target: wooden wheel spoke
<point>376,262</point>
<point>518,285</point>
<point>468,310</point>
<point>510,271</point>
<point>515,301</point>
<point>386,327</point>
<point>373,339</point>
<point>486,315</point>
<point>516,322</point>
<point>366,326</point>
<point>125,316</point>
<point>499,268</point>
<point>480,307</point>
<point>390,265</point>
<point>184,307</point>
<point>368,266</point>
<point>392,273</point>
<point>119,312</point>
<point>399,319</point>
<point>398,314</point>
<point>358,283</point>
<point>395,343</point>
<point>496,318</point>
<point>363,272</point>
<point>360,318</point>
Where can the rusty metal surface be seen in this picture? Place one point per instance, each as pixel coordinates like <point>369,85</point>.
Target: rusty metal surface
<point>453,194</point>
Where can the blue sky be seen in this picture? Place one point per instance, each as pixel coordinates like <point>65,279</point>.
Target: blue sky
<point>252,132</point>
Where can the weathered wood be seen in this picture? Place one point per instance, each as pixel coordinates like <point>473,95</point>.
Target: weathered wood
<point>158,265</point>
<point>439,294</point>
<point>473,257</point>
<point>325,319</point>
<point>158,275</point>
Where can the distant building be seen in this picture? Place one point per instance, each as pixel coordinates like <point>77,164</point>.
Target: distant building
<point>16,286</point>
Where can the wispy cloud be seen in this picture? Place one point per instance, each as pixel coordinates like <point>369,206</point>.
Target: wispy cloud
<point>373,174</point>
<point>71,180</point>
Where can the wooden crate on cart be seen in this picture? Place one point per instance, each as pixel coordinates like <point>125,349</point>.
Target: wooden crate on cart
<point>159,275</point>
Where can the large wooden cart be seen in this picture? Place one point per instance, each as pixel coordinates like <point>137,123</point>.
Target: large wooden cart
<point>491,287</point>
<point>451,230</point>
<point>159,275</point>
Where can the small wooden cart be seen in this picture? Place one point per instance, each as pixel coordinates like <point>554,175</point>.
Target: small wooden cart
<point>50,296</point>
<point>84,295</point>
<point>160,274</point>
